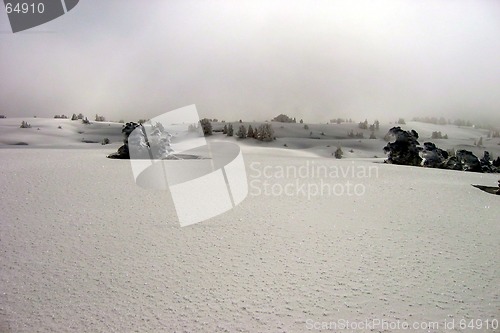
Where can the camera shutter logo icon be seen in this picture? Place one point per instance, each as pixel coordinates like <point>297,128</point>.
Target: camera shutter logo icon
<point>170,152</point>
<point>26,14</point>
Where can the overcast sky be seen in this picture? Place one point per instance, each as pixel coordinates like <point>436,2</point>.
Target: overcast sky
<point>253,60</point>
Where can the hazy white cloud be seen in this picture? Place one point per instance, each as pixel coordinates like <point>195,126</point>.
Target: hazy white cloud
<point>255,59</point>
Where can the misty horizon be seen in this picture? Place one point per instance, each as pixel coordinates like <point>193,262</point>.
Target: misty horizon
<point>254,60</point>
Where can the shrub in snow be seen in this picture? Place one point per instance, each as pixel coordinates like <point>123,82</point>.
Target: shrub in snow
<point>25,124</point>
<point>105,141</point>
<point>338,153</point>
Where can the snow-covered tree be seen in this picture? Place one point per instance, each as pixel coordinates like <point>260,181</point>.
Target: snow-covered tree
<point>206,125</point>
<point>242,132</point>
<point>250,133</point>
<point>192,128</point>
<point>266,132</point>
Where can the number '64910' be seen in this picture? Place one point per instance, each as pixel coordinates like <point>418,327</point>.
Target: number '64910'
<point>25,8</point>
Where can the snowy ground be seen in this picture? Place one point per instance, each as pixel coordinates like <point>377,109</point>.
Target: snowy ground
<point>84,249</point>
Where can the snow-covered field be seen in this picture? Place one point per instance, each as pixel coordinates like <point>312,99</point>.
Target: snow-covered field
<point>84,249</point>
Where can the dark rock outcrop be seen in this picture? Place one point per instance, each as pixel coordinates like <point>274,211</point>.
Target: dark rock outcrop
<point>404,150</point>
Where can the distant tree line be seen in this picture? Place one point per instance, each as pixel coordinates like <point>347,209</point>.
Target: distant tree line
<point>339,121</point>
<point>373,127</point>
<point>433,120</point>
<point>357,135</point>
<point>438,135</point>
<point>263,132</point>
<point>443,121</point>
<point>99,118</point>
